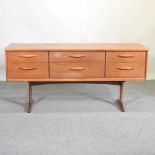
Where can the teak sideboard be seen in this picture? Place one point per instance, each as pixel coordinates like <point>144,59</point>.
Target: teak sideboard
<point>76,63</point>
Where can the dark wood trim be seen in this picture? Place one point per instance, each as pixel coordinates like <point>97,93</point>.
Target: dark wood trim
<point>44,83</point>
<point>30,97</point>
<point>120,100</point>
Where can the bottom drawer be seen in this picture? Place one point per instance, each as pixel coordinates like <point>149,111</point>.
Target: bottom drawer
<point>28,70</point>
<point>125,70</point>
<point>76,70</point>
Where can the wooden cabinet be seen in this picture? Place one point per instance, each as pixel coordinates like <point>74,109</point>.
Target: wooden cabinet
<point>76,63</point>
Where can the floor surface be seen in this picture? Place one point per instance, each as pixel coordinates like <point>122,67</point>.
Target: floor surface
<point>77,119</point>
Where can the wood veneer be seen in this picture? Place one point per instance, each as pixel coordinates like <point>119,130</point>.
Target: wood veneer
<point>125,70</point>
<point>28,71</point>
<point>19,57</point>
<point>94,56</point>
<point>77,70</point>
<point>57,63</point>
<point>126,57</point>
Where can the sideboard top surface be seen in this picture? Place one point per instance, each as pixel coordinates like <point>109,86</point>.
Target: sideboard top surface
<point>76,47</point>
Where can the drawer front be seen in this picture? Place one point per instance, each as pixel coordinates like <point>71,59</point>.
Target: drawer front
<point>77,70</point>
<point>125,56</point>
<point>125,70</point>
<point>27,70</point>
<point>27,57</point>
<point>77,56</point>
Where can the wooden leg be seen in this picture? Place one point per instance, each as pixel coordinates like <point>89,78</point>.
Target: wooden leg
<point>30,97</point>
<point>120,100</point>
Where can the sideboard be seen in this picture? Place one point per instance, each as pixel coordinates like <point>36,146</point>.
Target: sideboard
<point>37,64</point>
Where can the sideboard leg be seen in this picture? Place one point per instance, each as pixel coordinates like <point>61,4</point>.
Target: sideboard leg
<point>120,100</point>
<point>30,98</point>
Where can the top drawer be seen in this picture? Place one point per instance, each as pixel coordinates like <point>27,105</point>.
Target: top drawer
<point>27,56</point>
<point>125,56</point>
<point>77,56</point>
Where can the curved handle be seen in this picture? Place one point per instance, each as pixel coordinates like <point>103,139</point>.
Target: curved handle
<point>23,68</point>
<point>27,56</point>
<point>126,56</point>
<point>125,68</point>
<point>77,68</point>
<point>76,56</point>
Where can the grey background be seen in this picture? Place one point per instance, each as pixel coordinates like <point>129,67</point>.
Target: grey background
<point>75,119</point>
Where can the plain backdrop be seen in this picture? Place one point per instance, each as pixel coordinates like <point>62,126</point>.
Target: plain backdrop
<point>78,21</point>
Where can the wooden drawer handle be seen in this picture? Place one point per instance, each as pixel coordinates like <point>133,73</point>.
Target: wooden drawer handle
<point>76,56</point>
<point>27,68</point>
<point>126,56</point>
<point>125,68</point>
<point>27,56</point>
<point>77,68</point>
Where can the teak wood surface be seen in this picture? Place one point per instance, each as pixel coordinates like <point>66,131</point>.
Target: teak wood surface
<point>84,63</point>
<point>76,47</point>
<point>76,62</point>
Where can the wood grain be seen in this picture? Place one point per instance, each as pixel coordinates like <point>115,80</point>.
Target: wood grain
<point>77,56</point>
<point>98,58</point>
<point>69,80</point>
<point>27,57</point>
<point>125,57</point>
<point>77,70</point>
<point>125,47</point>
<point>28,71</point>
<point>125,70</point>
<point>76,63</point>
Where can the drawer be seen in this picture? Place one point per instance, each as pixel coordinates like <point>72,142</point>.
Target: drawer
<point>77,56</point>
<point>125,70</point>
<point>27,56</point>
<point>125,56</point>
<point>27,70</point>
<point>77,70</point>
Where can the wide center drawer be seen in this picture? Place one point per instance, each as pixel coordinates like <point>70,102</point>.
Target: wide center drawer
<point>27,57</point>
<point>28,71</point>
<point>77,56</point>
<point>77,70</point>
<point>126,57</point>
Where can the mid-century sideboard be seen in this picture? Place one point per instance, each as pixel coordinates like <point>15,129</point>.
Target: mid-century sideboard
<point>76,63</point>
